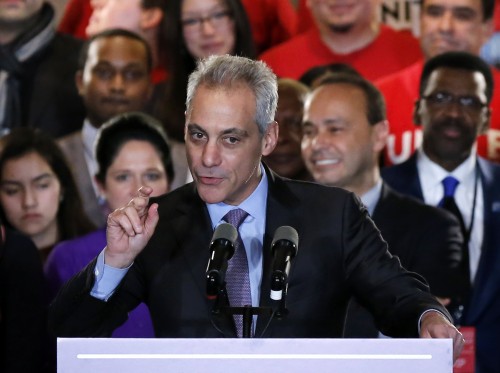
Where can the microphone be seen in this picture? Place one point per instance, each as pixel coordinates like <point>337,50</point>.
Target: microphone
<point>283,248</point>
<point>221,250</point>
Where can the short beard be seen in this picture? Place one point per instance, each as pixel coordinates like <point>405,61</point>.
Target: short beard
<point>341,29</point>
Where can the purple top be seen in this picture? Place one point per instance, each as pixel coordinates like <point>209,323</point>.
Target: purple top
<point>70,257</point>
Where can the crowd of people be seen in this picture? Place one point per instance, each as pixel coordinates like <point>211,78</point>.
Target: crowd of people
<point>132,129</point>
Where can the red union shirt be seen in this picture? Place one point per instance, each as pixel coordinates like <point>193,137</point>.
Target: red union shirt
<point>391,51</point>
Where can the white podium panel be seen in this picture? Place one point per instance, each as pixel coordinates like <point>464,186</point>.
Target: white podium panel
<point>78,355</point>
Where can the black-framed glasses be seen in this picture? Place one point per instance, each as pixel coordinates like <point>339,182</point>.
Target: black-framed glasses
<point>217,19</point>
<point>443,99</point>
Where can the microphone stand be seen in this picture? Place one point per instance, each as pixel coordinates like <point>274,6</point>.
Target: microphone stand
<point>248,312</point>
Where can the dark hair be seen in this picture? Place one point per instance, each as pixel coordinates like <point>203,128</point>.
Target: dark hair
<point>488,7</point>
<point>112,33</point>
<point>161,35</point>
<point>375,103</point>
<point>126,127</point>
<point>71,218</point>
<point>180,63</point>
<point>318,71</point>
<point>458,60</point>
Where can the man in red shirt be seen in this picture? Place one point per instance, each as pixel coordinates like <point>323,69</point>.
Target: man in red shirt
<point>445,25</point>
<point>348,33</point>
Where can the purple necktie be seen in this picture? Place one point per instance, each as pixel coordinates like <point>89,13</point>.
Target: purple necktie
<point>237,278</point>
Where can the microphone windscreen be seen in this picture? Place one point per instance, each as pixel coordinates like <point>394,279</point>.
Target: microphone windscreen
<point>288,233</point>
<point>225,231</point>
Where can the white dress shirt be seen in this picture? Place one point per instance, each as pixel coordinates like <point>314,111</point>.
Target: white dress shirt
<point>431,176</point>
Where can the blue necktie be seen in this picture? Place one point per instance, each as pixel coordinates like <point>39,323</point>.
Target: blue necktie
<point>449,185</point>
<point>237,277</point>
<point>448,203</point>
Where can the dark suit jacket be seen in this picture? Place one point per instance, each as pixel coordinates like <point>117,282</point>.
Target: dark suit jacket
<point>483,308</point>
<point>340,253</point>
<point>426,239</point>
<point>22,306</point>
<point>49,93</point>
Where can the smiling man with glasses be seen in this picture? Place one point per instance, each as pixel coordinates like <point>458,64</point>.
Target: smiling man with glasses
<point>456,89</point>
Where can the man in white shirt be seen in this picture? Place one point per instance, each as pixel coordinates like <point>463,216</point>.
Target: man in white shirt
<point>453,110</point>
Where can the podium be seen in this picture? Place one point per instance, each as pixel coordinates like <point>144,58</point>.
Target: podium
<point>99,355</point>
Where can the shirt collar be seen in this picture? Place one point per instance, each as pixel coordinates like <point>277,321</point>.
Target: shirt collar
<point>370,198</point>
<point>89,135</point>
<point>433,171</point>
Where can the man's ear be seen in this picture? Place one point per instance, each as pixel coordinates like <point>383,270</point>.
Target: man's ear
<point>270,138</point>
<point>485,121</point>
<point>487,30</point>
<point>380,133</point>
<point>416,113</point>
<point>79,82</point>
<point>151,18</point>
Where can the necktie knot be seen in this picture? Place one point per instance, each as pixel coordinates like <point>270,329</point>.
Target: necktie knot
<point>235,217</point>
<point>450,185</point>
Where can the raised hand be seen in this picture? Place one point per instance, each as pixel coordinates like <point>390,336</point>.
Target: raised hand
<point>129,229</point>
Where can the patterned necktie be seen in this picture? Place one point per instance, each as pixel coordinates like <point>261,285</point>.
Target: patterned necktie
<point>448,203</point>
<point>237,278</point>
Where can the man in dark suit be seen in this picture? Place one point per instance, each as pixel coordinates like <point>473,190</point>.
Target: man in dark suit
<point>344,132</point>
<point>455,91</point>
<point>157,251</point>
<point>37,69</point>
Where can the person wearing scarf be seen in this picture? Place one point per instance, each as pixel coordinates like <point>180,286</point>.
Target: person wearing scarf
<point>37,67</point>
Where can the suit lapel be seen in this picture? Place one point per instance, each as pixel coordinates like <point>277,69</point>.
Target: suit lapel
<point>280,211</point>
<point>487,280</point>
<point>413,178</point>
<point>381,207</point>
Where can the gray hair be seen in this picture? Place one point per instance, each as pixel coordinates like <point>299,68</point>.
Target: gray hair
<point>227,71</point>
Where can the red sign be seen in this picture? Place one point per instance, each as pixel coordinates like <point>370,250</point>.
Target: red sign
<point>467,360</point>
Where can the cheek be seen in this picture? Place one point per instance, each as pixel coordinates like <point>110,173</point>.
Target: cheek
<point>117,195</point>
<point>231,40</point>
<point>139,92</point>
<point>159,187</point>
<point>51,199</point>
<point>11,206</point>
<point>191,43</point>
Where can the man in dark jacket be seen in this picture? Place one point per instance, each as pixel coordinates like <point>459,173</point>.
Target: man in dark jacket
<point>37,69</point>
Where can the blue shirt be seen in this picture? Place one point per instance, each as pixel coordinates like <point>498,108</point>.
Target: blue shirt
<point>251,231</point>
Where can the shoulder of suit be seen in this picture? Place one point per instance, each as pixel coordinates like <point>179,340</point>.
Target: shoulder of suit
<point>419,210</point>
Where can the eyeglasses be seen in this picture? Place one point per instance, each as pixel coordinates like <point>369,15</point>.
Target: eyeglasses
<point>218,19</point>
<point>443,99</point>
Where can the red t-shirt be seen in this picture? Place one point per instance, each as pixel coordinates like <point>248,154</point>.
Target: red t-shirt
<point>272,21</point>
<point>76,18</point>
<point>390,52</point>
<point>401,91</point>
